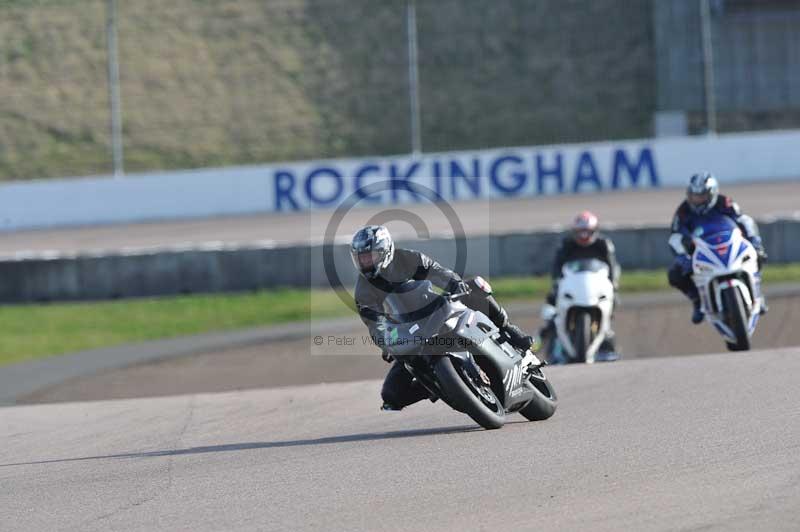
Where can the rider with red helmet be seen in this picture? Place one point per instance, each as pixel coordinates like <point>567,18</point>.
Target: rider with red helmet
<point>584,241</point>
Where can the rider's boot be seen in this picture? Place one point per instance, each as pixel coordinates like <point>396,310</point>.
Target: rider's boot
<point>697,314</point>
<point>516,337</point>
<point>489,306</point>
<point>609,344</point>
<point>608,349</point>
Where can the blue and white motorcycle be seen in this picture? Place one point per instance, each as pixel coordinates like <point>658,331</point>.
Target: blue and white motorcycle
<point>726,273</point>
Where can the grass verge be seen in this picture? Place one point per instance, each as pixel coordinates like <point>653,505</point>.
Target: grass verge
<point>36,331</point>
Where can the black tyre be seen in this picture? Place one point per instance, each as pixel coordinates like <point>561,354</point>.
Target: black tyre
<point>736,318</point>
<point>477,400</point>
<point>544,402</point>
<point>582,334</point>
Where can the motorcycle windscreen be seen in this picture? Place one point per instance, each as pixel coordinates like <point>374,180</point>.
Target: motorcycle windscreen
<point>416,308</point>
<point>586,265</point>
<point>715,229</point>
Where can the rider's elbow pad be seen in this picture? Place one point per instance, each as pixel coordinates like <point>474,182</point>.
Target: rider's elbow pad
<point>749,225</point>
<point>676,243</point>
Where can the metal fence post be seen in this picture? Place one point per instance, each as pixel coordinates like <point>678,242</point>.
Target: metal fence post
<point>413,78</point>
<point>113,88</point>
<point>708,67</point>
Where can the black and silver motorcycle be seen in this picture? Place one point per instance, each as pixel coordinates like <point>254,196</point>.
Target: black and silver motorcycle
<point>461,357</point>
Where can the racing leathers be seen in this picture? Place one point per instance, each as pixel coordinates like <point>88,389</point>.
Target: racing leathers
<point>398,388</point>
<point>684,223</point>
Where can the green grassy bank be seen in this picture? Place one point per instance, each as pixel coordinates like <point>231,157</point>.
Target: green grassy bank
<point>35,331</point>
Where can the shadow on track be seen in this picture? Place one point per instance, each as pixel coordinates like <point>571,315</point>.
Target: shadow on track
<point>349,438</point>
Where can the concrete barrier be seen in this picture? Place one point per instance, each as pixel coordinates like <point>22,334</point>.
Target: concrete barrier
<point>192,271</point>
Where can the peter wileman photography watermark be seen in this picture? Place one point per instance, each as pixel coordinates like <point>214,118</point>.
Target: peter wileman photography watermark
<point>340,273</point>
<point>343,340</point>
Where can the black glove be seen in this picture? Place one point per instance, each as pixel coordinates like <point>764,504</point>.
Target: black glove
<point>457,286</point>
<point>685,264</point>
<point>387,357</point>
<point>762,256</point>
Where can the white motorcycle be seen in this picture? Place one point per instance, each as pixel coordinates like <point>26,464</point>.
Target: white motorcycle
<point>582,315</point>
<point>726,273</point>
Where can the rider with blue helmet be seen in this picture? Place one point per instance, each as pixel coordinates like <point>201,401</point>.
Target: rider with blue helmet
<point>702,199</point>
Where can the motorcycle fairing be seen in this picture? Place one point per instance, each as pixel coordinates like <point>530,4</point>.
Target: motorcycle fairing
<point>716,268</point>
<point>584,285</point>
<point>475,344</point>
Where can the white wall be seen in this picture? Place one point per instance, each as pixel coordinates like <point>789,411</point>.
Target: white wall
<point>496,173</point>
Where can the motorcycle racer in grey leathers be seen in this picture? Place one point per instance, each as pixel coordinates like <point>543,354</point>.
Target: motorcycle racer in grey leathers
<point>382,268</point>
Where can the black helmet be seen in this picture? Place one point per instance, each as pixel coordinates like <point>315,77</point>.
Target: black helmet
<point>702,192</point>
<point>372,250</point>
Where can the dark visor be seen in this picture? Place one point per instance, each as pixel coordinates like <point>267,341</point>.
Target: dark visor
<point>368,259</point>
<point>699,199</point>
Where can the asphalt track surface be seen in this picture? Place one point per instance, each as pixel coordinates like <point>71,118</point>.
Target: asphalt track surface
<point>705,442</point>
<point>683,443</point>
<point>631,208</point>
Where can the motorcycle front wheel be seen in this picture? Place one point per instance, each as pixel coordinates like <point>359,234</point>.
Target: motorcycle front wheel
<point>582,334</point>
<point>476,399</point>
<point>737,319</point>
